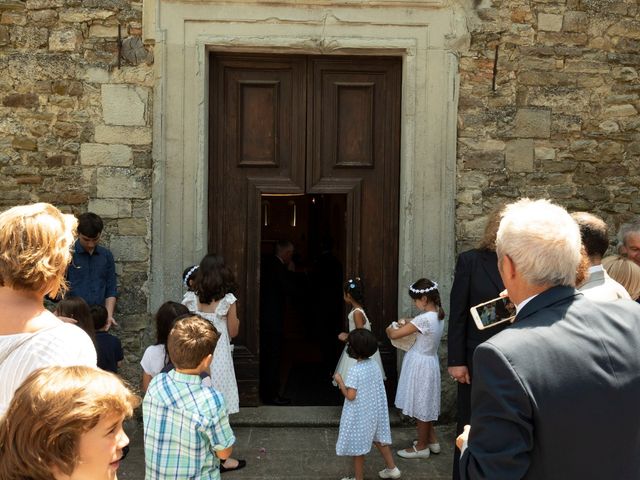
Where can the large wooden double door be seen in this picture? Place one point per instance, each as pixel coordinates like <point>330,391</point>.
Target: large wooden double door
<point>284,124</point>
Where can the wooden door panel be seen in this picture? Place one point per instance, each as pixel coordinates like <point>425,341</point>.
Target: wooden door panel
<point>257,130</point>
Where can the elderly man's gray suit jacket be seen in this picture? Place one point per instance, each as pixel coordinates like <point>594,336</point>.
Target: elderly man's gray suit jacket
<point>556,395</point>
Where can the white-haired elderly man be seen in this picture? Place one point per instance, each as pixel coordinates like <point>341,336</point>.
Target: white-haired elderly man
<point>629,240</point>
<point>555,396</point>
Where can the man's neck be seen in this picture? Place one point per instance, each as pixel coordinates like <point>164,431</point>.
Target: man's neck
<point>527,291</point>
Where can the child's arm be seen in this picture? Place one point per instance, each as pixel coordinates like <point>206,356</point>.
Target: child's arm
<point>407,329</point>
<point>358,318</point>
<point>349,393</point>
<point>146,380</point>
<point>233,323</point>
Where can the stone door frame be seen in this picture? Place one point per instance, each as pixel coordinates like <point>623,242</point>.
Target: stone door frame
<point>185,33</point>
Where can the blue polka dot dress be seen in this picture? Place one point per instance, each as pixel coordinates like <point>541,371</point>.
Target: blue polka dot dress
<point>364,419</point>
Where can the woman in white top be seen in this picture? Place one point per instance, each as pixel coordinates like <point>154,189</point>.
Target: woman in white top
<point>156,357</point>
<point>35,250</point>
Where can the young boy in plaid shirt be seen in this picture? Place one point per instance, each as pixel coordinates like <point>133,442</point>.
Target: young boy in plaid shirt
<point>186,426</point>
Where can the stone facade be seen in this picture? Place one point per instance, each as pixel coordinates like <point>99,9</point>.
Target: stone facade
<point>562,121</point>
<point>548,106</point>
<point>75,131</point>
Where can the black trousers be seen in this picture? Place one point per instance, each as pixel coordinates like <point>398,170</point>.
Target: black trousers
<point>463,410</point>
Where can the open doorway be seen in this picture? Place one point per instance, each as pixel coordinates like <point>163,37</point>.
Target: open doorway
<point>306,348</point>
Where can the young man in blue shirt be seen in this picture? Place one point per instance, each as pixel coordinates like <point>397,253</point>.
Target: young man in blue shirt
<point>92,272</point>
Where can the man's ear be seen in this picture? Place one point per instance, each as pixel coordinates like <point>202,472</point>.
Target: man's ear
<point>507,267</point>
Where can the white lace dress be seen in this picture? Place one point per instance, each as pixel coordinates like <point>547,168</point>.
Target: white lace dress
<point>223,376</point>
<point>418,393</point>
<point>346,362</point>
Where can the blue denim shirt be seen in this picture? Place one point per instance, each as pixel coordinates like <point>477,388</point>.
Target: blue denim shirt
<point>92,277</point>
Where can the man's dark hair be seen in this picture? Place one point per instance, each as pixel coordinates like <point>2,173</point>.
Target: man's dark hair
<point>99,315</point>
<point>90,225</point>
<point>594,234</point>
<point>362,343</point>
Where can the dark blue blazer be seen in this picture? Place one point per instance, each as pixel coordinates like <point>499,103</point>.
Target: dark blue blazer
<point>555,396</point>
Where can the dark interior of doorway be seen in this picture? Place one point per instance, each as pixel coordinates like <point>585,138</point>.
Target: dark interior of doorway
<point>315,312</point>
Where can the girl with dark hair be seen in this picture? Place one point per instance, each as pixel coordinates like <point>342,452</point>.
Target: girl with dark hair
<point>190,299</point>
<point>215,287</point>
<point>155,357</point>
<point>354,297</point>
<point>418,392</point>
<point>365,416</point>
<point>75,310</point>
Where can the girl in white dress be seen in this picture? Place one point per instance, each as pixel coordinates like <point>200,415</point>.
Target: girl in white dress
<point>215,286</point>
<point>354,297</point>
<point>156,357</point>
<point>418,393</point>
<point>190,300</point>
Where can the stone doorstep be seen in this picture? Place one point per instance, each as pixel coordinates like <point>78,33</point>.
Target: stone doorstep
<point>273,416</point>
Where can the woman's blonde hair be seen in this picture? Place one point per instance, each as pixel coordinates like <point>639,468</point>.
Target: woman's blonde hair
<point>624,271</point>
<point>35,247</point>
<point>48,414</point>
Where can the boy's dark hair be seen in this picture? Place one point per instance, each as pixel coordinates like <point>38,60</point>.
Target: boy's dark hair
<point>191,339</point>
<point>432,295</point>
<point>99,315</point>
<point>594,234</point>
<point>90,225</point>
<point>213,279</point>
<point>355,287</point>
<point>165,317</point>
<point>362,343</point>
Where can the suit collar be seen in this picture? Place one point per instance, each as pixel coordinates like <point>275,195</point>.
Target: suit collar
<point>546,299</point>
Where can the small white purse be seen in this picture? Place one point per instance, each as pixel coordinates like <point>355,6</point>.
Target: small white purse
<point>404,343</point>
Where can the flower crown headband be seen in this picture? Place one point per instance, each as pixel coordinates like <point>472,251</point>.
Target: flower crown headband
<point>188,275</point>
<point>423,290</point>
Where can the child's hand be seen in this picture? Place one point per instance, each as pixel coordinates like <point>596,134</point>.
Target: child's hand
<point>343,336</point>
<point>338,378</point>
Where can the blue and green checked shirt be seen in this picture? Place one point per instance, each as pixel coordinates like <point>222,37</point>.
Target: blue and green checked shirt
<point>185,422</point>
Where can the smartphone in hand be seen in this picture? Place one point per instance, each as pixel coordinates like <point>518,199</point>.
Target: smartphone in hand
<point>494,312</point>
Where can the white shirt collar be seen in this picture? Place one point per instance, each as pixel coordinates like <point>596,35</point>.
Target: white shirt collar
<point>521,305</point>
<point>596,268</point>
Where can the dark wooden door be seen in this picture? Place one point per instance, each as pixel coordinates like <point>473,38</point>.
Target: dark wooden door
<point>295,124</point>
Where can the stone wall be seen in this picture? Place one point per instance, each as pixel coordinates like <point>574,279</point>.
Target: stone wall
<point>75,130</point>
<point>562,122</point>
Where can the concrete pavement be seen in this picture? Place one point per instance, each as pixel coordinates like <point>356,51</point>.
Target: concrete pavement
<point>299,443</point>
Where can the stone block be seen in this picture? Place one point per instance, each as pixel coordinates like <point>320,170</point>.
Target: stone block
<point>66,40</point>
<point>103,31</point>
<point>24,143</point>
<point>519,155</point>
<point>45,18</point>
<point>67,87</point>
<point>4,35</point>
<point>609,126</point>
<point>124,105</point>
<point>13,18</point>
<point>129,248</point>
<point>79,15</point>
<point>24,100</point>
<point>625,28</point>
<point>110,208</point>
<point>96,75</point>
<point>133,226</point>
<point>621,111</point>
<point>66,129</point>
<point>549,22</point>
<point>123,135</point>
<point>30,37</point>
<point>531,123</point>
<point>575,21</point>
<point>116,182</point>
<point>105,155</point>
<point>545,153</point>
<point>43,4</point>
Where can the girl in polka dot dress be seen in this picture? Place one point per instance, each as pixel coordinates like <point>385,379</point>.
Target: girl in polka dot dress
<point>365,416</point>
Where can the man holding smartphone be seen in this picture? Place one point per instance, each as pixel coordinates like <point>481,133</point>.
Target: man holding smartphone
<point>562,382</point>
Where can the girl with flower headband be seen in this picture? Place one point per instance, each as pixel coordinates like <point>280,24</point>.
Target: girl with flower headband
<point>190,300</point>
<point>418,392</point>
<point>354,297</point>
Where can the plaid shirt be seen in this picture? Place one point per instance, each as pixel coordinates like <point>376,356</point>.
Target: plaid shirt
<point>185,422</point>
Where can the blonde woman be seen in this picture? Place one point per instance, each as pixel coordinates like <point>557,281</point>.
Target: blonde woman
<point>624,271</point>
<point>35,242</point>
<point>65,423</point>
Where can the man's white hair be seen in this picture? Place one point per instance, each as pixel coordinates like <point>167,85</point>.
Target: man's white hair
<point>542,240</point>
<point>626,229</point>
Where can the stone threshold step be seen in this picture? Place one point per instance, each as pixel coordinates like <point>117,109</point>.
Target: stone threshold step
<point>272,416</point>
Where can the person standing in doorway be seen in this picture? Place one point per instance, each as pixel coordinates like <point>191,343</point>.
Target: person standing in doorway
<point>92,273</point>
<point>274,288</point>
